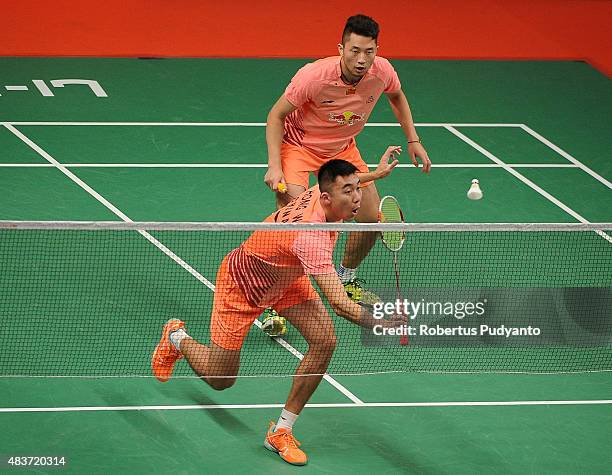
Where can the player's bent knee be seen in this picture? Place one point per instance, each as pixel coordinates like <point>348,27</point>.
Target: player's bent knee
<point>219,384</point>
<point>323,344</point>
<point>282,199</point>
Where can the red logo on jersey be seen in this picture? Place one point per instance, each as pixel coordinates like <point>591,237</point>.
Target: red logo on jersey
<point>347,118</point>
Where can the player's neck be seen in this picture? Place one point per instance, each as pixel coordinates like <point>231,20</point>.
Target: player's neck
<point>346,77</point>
<point>330,216</point>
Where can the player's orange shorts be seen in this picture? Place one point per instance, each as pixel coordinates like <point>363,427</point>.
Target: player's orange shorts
<point>298,163</point>
<point>233,315</point>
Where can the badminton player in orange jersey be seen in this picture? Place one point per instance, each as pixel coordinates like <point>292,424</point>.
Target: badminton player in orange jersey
<point>317,118</point>
<point>272,268</point>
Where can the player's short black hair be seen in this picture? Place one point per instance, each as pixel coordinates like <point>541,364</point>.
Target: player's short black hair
<point>361,25</point>
<point>333,169</point>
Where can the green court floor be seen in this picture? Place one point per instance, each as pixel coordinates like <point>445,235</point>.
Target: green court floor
<point>183,140</point>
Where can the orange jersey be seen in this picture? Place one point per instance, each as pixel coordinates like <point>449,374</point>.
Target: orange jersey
<point>269,262</point>
<point>330,113</point>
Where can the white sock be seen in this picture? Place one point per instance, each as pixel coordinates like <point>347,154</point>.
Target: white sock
<point>177,337</point>
<point>286,420</point>
<point>346,273</point>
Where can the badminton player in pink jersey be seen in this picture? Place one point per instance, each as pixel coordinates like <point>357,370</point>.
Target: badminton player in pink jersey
<point>325,106</point>
<point>273,268</point>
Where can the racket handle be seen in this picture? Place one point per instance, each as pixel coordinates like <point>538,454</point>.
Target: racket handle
<point>404,340</point>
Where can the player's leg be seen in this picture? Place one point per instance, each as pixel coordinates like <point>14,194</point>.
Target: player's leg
<point>359,244</point>
<point>218,363</point>
<point>297,163</point>
<point>215,365</point>
<point>230,322</point>
<point>316,326</point>
<point>312,320</point>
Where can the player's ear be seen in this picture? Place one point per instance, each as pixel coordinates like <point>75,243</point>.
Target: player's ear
<point>340,49</point>
<point>325,198</point>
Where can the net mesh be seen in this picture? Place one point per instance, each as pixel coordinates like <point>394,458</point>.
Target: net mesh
<point>90,300</point>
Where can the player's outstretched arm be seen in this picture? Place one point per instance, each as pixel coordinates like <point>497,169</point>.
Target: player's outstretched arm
<point>274,136</point>
<point>401,109</point>
<point>334,291</point>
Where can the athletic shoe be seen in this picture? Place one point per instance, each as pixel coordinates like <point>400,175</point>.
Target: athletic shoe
<point>284,444</point>
<point>165,354</point>
<point>273,324</point>
<point>357,293</point>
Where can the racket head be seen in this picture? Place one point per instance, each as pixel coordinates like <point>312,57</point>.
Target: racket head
<point>389,211</point>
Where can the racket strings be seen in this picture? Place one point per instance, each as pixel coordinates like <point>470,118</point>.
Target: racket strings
<point>391,213</point>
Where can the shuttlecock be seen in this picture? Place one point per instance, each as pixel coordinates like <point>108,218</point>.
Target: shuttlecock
<point>474,193</point>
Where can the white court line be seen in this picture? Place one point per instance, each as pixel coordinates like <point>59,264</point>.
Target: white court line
<point>108,205</point>
<point>159,245</point>
<point>310,406</point>
<point>566,155</point>
<point>265,165</point>
<point>525,180</point>
<point>539,165</point>
<point>241,124</point>
<point>371,124</point>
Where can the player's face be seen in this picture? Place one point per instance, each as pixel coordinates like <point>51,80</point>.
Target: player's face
<point>345,197</point>
<point>357,54</point>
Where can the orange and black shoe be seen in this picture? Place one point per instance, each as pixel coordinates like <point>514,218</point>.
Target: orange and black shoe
<point>165,354</point>
<point>284,444</point>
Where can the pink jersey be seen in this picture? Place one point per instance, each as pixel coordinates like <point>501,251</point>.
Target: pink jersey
<point>269,262</point>
<point>330,113</point>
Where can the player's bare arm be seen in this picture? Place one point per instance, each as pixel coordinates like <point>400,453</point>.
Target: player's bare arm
<point>274,137</point>
<point>401,109</point>
<point>334,291</point>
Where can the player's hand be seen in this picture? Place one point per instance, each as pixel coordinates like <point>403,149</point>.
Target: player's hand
<point>388,161</point>
<point>395,321</point>
<point>273,177</point>
<point>368,320</point>
<point>416,150</point>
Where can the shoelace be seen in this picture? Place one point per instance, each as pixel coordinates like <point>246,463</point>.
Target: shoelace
<point>288,436</point>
